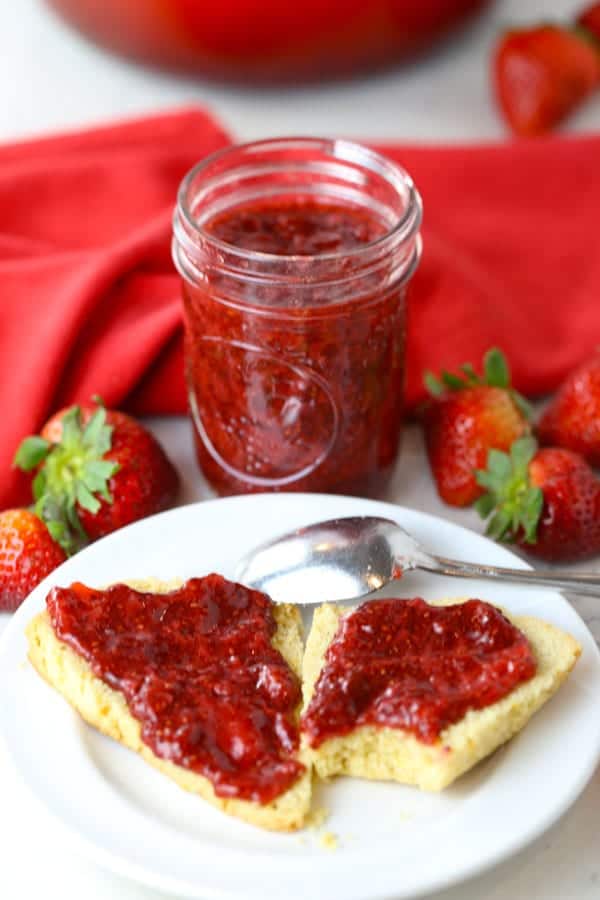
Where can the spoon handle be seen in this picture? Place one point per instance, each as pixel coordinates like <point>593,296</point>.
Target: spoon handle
<point>586,583</point>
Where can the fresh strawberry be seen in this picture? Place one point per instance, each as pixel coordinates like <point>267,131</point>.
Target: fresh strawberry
<point>542,74</point>
<point>97,470</point>
<point>589,19</point>
<point>27,555</point>
<point>467,416</point>
<point>572,419</point>
<point>548,501</point>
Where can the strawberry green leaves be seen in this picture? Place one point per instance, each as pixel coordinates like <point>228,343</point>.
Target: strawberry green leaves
<point>72,473</point>
<point>31,452</point>
<point>437,387</point>
<point>512,505</point>
<point>496,373</point>
<point>434,385</point>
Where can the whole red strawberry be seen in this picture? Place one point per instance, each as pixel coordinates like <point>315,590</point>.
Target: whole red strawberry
<point>589,18</point>
<point>467,416</point>
<point>572,419</point>
<point>97,470</point>
<point>542,74</point>
<point>547,500</point>
<point>27,555</point>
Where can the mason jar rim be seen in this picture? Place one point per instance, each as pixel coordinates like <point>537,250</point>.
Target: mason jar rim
<point>406,226</point>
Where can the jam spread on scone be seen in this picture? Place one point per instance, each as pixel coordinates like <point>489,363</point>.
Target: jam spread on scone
<point>199,672</point>
<point>420,668</point>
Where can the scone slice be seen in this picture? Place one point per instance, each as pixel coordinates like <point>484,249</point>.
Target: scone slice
<point>384,753</point>
<point>107,710</point>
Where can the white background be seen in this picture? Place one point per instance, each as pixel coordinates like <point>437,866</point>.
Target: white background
<point>52,79</point>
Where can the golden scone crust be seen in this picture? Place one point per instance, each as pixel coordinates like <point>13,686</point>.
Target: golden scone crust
<point>107,710</point>
<point>392,754</point>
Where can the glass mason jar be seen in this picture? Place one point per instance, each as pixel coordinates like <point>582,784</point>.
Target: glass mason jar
<point>295,256</point>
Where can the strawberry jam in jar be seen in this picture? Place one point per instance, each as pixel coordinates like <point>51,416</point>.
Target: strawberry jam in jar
<point>295,256</point>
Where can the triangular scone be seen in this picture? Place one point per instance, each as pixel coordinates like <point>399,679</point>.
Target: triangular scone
<point>107,710</point>
<point>384,753</point>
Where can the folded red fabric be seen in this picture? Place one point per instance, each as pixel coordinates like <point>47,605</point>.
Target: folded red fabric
<point>91,301</point>
<point>90,298</point>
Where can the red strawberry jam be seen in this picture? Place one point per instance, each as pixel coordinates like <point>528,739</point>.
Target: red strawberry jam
<point>200,674</point>
<point>297,385</point>
<point>295,227</point>
<point>408,665</point>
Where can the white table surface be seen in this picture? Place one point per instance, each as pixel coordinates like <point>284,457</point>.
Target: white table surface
<point>52,79</point>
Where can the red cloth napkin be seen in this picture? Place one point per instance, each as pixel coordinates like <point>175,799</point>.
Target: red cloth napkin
<point>90,301</point>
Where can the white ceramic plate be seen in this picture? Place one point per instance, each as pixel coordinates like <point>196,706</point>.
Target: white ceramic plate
<point>393,841</point>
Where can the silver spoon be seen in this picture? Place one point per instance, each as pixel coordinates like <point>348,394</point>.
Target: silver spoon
<point>343,559</point>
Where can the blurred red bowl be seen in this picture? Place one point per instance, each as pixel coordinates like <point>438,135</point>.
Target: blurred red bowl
<point>270,40</point>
